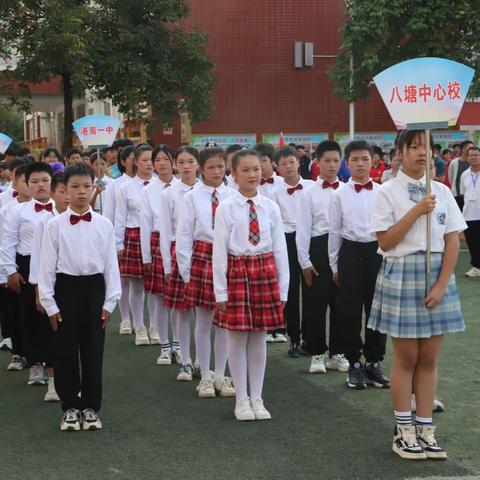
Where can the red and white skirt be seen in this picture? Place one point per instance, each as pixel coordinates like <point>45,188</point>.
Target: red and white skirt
<point>154,281</point>
<point>199,292</point>
<point>174,293</point>
<point>253,295</point>
<point>132,264</point>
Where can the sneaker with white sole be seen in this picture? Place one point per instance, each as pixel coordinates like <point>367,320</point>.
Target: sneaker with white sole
<point>6,344</point>
<point>337,362</point>
<point>141,336</point>
<point>426,439</point>
<point>154,336</point>
<point>405,443</point>
<point>197,372</point>
<point>17,363</point>
<point>270,338</point>
<point>177,355</point>
<point>438,405</point>
<point>91,420</point>
<point>261,413</point>
<point>317,365</point>
<point>356,377</point>
<point>280,338</point>
<point>125,327</point>
<point>224,387</point>
<point>206,389</point>
<point>243,410</point>
<point>473,272</point>
<point>51,395</point>
<point>71,421</point>
<point>165,357</point>
<point>37,375</point>
<point>185,374</point>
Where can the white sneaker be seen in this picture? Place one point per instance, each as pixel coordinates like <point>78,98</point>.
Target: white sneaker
<point>224,387</point>
<point>154,336</point>
<point>165,357</point>
<point>338,362</point>
<point>438,405</point>
<point>318,364</point>
<point>51,395</point>
<point>261,413</point>
<point>16,364</point>
<point>71,421</point>
<point>141,336</point>
<point>37,375</point>
<point>185,374</point>
<point>473,272</point>
<point>91,421</point>
<point>270,338</point>
<point>177,355</point>
<point>243,410</point>
<point>280,338</point>
<point>426,439</point>
<point>6,344</point>
<point>405,443</point>
<point>206,389</point>
<point>125,327</point>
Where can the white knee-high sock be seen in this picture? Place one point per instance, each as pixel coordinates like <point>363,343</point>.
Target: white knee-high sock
<point>174,326</point>
<point>183,322</point>
<point>161,317</point>
<point>203,347</point>
<point>257,361</point>
<point>151,305</point>
<point>136,298</point>
<point>221,351</point>
<point>123,303</point>
<point>237,361</point>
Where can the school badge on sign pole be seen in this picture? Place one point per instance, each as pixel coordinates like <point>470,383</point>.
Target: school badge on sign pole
<point>422,94</point>
<point>5,142</point>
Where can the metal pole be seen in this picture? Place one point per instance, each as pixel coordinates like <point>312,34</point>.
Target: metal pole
<point>100,180</point>
<point>428,175</point>
<point>352,104</point>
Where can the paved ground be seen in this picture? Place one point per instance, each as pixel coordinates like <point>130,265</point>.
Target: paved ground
<point>155,428</point>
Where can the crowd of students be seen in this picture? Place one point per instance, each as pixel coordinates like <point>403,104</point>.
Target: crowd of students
<point>242,243</point>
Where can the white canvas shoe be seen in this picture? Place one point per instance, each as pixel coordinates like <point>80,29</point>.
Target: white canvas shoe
<point>154,336</point>
<point>337,362</point>
<point>243,410</point>
<point>261,413</point>
<point>473,272</point>
<point>317,364</point>
<point>165,357</point>
<point>141,336</point>
<point>224,387</point>
<point>270,338</point>
<point>280,338</point>
<point>206,389</point>
<point>125,327</point>
<point>51,395</point>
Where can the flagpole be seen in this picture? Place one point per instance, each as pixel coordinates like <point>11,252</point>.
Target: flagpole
<point>98,173</point>
<point>428,175</point>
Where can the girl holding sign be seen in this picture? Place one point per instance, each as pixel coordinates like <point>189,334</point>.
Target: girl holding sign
<point>415,318</point>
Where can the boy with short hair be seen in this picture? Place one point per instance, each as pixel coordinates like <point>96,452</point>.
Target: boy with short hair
<point>102,182</point>
<point>270,179</point>
<point>79,285</point>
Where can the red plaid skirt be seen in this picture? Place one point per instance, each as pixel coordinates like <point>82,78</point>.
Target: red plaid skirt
<point>132,263</point>
<point>174,293</point>
<point>199,291</point>
<point>253,295</point>
<point>154,282</point>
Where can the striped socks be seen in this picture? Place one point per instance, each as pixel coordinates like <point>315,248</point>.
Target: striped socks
<point>423,420</point>
<point>403,418</point>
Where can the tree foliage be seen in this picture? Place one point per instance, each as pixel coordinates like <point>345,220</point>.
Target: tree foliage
<point>381,33</point>
<point>11,122</point>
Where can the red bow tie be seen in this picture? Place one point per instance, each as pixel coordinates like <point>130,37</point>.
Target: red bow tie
<point>327,184</point>
<point>14,194</point>
<point>146,182</point>
<point>43,206</point>
<point>74,219</point>
<point>367,186</point>
<point>267,180</point>
<point>292,190</point>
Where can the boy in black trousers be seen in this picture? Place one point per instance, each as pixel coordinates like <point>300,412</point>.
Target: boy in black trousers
<point>79,285</point>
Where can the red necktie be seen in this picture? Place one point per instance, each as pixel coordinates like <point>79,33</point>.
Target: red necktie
<point>43,206</point>
<point>74,219</point>
<point>327,184</point>
<point>146,182</point>
<point>14,194</point>
<point>292,190</point>
<point>367,186</point>
<point>214,206</point>
<point>254,228</point>
<point>266,180</point>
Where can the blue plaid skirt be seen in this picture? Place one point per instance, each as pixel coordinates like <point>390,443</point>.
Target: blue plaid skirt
<point>398,307</point>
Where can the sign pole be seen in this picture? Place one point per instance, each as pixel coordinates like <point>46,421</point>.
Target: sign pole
<point>428,175</point>
<point>99,179</point>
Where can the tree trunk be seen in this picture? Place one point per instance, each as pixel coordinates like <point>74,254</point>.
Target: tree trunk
<point>67,112</point>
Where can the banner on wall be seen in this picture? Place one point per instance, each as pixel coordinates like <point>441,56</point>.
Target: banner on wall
<point>297,138</point>
<point>5,142</point>
<point>224,140</point>
<point>95,131</point>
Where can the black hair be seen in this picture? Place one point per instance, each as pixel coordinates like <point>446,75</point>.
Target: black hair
<point>293,145</point>
<point>121,143</point>
<point>208,153</point>
<point>244,152</point>
<point>235,147</point>
<point>438,147</point>
<point>283,152</point>
<point>405,139</point>
<point>38,167</point>
<point>265,150</point>
<point>474,148</point>
<point>162,148</point>
<point>298,147</point>
<point>327,146</point>
<point>86,153</point>
<point>143,147</point>
<point>11,151</point>
<point>56,181</point>
<point>465,143</point>
<point>94,156</point>
<point>18,162</point>
<point>73,151</point>
<point>21,170</point>
<point>456,145</point>
<point>191,150</point>
<point>445,151</point>
<point>78,169</point>
<point>392,153</point>
<point>355,145</point>
<point>123,155</point>
<point>23,152</point>
<point>3,166</point>
<point>50,150</point>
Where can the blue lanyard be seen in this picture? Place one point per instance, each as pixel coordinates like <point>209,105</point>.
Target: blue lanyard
<point>474,179</point>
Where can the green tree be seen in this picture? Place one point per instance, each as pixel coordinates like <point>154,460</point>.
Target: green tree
<point>132,51</point>
<point>381,33</point>
<point>11,122</point>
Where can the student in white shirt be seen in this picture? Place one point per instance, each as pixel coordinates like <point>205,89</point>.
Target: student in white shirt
<point>79,285</point>
<point>286,195</point>
<point>414,312</point>
<point>395,164</point>
<point>194,241</point>
<point>9,195</point>
<point>152,258</point>
<point>355,262</point>
<point>166,223</point>
<point>229,153</point>
<point>319,289</point>
<point>270,180</point>
<point>127,236</point>
<point>250,277</point>
<point>470,190</point>
<point>102,183</point>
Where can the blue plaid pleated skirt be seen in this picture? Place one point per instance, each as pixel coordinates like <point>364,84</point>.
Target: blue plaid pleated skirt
<point>398,307</point>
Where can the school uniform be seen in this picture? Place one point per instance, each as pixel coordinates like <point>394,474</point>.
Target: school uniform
<point>399,304</point>
<point>470,189</point>
<point>9,195</point>
<point>312,247</point>
<point>250,265</point>
<point>269,185</point>
<point>286,197</point>
<point>110,197</point>
<point>231,182</point>
<point>79,277</point>
<point>102,196</point>
<point>353,255</point>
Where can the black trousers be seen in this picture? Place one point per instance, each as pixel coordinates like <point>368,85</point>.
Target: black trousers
<point>10,323</point>
<point>35,332</point>
<point>472,236</point>
<point>79,341</point>
<point>317,298</point>
<point>358,265</point>
<point>5,313</point>
<point>460,202</point>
